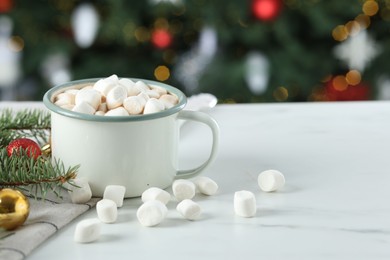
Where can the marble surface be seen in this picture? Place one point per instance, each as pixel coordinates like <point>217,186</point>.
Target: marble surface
<point>335,205</point>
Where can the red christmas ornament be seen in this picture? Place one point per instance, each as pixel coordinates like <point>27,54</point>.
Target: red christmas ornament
<point>5,6</point>
<point>350,93</point>
<point>31,147</point>
<point>266,10</point>
<point>161,38</point>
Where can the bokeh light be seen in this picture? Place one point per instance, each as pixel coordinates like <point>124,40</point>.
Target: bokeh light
<point>340,33</point>
<point>370,7</point>
<point>280,94</point>
<point>353,77</point>
<point>16,43</point>
<point>340,83</point>
<point>162,73</point>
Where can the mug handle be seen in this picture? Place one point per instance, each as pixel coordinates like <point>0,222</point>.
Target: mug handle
<point>210,122</point>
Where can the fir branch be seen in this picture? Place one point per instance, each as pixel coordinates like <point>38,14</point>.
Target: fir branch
<point>27,123</point>
<point>32,176</point>
<point>40,174</point>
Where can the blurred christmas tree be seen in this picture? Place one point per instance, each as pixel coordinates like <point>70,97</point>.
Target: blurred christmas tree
<point>241,51</point>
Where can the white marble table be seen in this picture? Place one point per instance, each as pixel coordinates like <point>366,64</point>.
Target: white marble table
<point>335,205</point>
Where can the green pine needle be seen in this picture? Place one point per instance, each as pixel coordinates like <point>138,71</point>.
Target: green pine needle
<point>32,176</point>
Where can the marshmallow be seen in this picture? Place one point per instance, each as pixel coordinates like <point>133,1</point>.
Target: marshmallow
<point>116,96</point>
<point>115,193</point>
<point>113,78</point>
<point>155,193</point>
<point>134,105</point>
<point>161,91</point>
<point>189,209</point>
<point>151,213</point>
<point>64,99</point>
<point>87,87</point>
<point>144,97</point>
<point>132,90</point>
<point>119,111</point>
<point>99,113</point>
<point>87,230</point>
<point>152,93</point>
<point>79,190</point>
<point>244,204</point>
<point>126,82</point>
<point>206,185</point>
<point>153,106</point>
<point>68,106</point>
<point>141,86</point>
<point>270,180</point>
<point>102,107</point>
<point>168,100</point>
<point>104,86</point>
<point>90,96</point>
<point>72,91</point>
<point>183,189</point>
<point>107,211</point>
<point>84,108</point>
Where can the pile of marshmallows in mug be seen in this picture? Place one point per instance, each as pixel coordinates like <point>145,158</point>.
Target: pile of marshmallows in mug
<point>116,97</point>
<point>153,210</point>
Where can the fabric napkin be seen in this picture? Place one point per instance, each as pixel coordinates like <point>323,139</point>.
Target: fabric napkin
<point>46,218</point>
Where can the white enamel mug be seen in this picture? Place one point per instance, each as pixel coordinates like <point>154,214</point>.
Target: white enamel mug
<point>137,152</point>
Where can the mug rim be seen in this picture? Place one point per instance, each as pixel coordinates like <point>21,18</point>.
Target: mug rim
<point>51,93</point>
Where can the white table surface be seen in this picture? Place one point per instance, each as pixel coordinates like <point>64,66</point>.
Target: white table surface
<point>335,205</point>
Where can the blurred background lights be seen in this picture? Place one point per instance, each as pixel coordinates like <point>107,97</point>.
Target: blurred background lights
<point>340,33</point>
<point>16,43</point>
<point>162,73</point>
<point>280,94</point>
<point>340,83</point>
<point>370,7</point>
<point>161,38</point>
<point>353,77</point>
<point>142,34</point>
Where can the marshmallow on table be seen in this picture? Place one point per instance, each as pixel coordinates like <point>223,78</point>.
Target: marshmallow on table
<point>155,193</point>
<point>151,213</point>
<point>270,180</point>
<point>115,193</point>
<point>153,105</point>
<point>189,209</point>
<point>87,230</point>
<point>206,185</point>
<point>90,96</point>
<point>79,190</point>
<point>116,96</point>
<point>119,111</point>
<point>183,189</point>
<point>107,211</point>
<point>134,105</point>
<point>244,204</point>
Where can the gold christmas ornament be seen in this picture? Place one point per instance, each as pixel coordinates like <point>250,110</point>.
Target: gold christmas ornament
<point>46,149</point>
<point>14,209</point>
